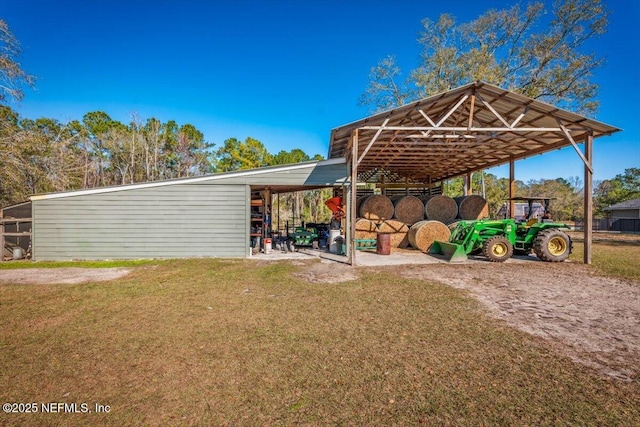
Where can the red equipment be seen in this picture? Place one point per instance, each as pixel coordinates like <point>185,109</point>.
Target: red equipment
<point>335,205</point>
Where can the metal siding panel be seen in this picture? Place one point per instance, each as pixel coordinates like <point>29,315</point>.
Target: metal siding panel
<point>183,220</point>
<point>312,175</point>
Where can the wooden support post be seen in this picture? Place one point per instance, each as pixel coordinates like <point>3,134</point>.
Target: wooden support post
<point>350,232</point>
<point>512,188</point>
<point>267,217</point>
<point>588,197</point>
<point>467,184</point>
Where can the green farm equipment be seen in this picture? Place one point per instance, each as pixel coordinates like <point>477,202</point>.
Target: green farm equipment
<point>303,236</point>
<point>497,240</point>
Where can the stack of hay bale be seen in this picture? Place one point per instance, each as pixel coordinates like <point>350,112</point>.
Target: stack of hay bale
<point>415,221</point>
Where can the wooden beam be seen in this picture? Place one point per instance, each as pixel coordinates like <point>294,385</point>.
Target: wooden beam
<point>473,104</point>
<point>495,113</point>
<point>350,232</point>
<point>586,162</point>
<point>427,118</point>
<point>588,198</point>
<point>517,120</point>
<point>373,140</point>
<point>14,220</point>
<point>512,188</point>
<point>462,129</point>
<point>467,184</point>
<point>455,107</point>
<point>402,186</point>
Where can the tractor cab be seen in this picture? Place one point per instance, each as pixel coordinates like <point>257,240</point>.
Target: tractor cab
<point>538,209</point>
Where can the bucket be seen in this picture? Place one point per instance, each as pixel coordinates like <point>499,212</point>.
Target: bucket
<point>267,245</point>
<point>383,246</point>
<point>334,245</point>
<point>18,253</point>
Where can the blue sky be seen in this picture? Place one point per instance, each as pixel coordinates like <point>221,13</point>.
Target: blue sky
<point>285,72</point>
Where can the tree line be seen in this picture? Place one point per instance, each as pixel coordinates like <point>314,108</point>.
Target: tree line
<point>44,155</point>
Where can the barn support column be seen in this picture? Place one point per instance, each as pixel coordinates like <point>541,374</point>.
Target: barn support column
<point>351,227</point>
<point>467,184</point>
<point>588,197</point>
<point>512,187</point>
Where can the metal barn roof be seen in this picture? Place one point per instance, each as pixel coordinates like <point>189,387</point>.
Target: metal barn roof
<point>467,129</point>
<point>263,175</point>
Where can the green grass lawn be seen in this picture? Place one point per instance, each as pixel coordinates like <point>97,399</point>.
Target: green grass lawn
<point>12,265</point>
<point>222,342</point>
<point>617,259</point>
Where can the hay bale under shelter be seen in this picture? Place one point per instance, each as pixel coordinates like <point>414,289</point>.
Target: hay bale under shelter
<point>441,208</point>
<point>472,207</point>
<point>359,201</point>
<point>398,231</point>
<point>408,209</point>
<point>422,234</point>
<point>377,208</point>
<point>366,229</point>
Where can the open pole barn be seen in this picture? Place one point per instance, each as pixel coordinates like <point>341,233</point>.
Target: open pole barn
<point>458,132</point>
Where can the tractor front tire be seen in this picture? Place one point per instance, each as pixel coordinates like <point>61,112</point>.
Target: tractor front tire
<point>497,249</point>
<point>552,245</point>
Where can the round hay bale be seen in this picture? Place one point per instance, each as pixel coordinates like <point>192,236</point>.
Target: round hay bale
<point>359,201</point>
<point>422,234</point>
<point>408,209</point>
<point>366,229</point>
<point>441,208</point>
<point>472,207</point>
<point>398,231</point>
<point>376,207</point>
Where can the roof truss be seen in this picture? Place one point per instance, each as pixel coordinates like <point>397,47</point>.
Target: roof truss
<point>471,128</point>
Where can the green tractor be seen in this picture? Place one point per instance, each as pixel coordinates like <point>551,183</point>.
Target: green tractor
<point>498,240</point>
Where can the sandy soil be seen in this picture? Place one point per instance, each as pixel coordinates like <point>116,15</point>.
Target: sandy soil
<point>593,320</point>
<point>46,276</point>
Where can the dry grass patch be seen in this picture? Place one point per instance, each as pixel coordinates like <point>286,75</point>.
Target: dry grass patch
<point>215,342</point>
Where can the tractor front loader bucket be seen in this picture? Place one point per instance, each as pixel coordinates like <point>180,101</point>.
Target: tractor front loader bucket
<point>452,252</point>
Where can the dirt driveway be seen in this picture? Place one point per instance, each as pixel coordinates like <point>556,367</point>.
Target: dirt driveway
<point>594,320</point>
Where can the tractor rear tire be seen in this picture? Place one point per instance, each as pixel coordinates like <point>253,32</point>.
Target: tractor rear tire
<point>552,245</point>
<point>497,249</point>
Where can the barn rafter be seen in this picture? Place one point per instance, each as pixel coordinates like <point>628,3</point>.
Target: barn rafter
<point>461,131</point>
